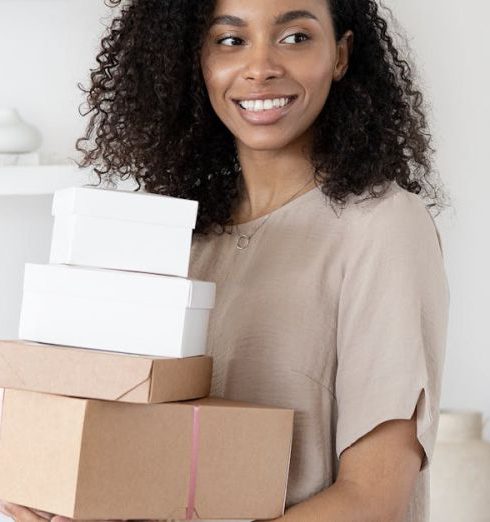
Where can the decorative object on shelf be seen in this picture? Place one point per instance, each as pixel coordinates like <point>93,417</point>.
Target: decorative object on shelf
<point>460,469</point>
<point>17,136</point>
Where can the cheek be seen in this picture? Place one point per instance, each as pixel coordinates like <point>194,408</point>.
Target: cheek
<point>317,78</point>
<point>217,74</point>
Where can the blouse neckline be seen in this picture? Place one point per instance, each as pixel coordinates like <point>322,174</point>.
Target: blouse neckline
<point>248,224</point>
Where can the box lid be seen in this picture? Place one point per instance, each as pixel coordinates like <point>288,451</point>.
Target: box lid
<point>97,374</point>
<point>121,285</point>
<point>126,205</point>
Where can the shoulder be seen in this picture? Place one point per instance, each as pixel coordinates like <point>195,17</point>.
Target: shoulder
<point>395,206</point>
<point>392,202</point>
<point>395,216</point>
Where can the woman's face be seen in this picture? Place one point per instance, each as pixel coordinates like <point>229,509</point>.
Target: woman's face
<point>272,49</point>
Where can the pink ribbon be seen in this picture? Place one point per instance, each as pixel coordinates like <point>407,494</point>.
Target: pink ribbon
<point>191,498</point>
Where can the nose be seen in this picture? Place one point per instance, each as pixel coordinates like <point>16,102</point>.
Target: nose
<point>262,63</point>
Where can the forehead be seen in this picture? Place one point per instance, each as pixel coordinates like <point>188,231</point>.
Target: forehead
<point>241,13</point>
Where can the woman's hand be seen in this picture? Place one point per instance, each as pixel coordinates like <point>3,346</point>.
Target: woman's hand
<point>58,518</point>
<point>23,514</point>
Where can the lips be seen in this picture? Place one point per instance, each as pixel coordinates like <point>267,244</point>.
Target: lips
<point>268,116</point>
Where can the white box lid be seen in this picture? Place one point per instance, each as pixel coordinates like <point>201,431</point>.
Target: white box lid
<point>120,285</point>
<point>126,205</point>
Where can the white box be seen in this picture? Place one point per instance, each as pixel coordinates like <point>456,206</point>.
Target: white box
<point>129,312</point>
<point>122,230</point>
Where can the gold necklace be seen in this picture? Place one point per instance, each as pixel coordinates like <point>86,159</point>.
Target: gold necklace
<point>244,239</point>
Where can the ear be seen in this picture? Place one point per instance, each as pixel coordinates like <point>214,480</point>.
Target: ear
<point>344,50</point>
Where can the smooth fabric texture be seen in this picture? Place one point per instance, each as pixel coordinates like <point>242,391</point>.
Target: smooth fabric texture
<point>340,314</point>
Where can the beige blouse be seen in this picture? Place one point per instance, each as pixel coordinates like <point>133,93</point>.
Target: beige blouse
<point>340,314</point>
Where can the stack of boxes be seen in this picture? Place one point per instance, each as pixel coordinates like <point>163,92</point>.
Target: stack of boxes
<point>106,413</point>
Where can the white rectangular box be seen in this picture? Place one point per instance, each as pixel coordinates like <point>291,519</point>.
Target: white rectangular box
<point>129,312</point>
<point>122,230</point>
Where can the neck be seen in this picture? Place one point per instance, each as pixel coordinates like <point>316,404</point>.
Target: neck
<point>270,178</point>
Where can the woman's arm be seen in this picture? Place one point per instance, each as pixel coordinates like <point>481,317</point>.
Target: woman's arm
<point>376,478</point>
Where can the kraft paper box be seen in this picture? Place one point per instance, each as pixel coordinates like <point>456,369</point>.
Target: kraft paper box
<point>77,372</point>
<point>122,230</point>
<point>115,310</point>
<point>89,459</point>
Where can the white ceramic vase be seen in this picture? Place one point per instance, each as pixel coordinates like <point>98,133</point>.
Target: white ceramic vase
<point>460,469</point>
<point>17,136</point>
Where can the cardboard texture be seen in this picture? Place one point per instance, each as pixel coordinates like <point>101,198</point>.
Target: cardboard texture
<point>122,230</point>
<point>96,374</point>
<point>115,310</point>
<point>208,458</point>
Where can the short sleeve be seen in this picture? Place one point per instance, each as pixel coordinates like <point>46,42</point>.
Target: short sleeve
<point>392,322</point>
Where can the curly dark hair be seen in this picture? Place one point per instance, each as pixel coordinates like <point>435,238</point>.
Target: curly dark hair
<point>153,120</point>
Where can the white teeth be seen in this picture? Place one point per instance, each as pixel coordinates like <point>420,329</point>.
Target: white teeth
<point>263,105</point>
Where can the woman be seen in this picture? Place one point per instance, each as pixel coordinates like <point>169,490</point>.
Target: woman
<point>281,118</point>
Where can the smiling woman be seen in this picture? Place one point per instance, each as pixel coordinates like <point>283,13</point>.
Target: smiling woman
<point>272,115</point>
<point>162,103</point>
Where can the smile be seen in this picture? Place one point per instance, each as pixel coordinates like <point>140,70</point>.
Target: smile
<point>264,105</point>
<point>264,111</point>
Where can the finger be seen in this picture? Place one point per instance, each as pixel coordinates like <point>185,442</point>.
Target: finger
<point>2,508</point>
<point>59,518</point>
<point>43,514</point>
<point>21,513</point>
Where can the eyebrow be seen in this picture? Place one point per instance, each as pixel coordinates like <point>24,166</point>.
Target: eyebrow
<point>280,19</point>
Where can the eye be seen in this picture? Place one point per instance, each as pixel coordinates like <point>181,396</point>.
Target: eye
<point>301,34</point>
<point>228,38</point>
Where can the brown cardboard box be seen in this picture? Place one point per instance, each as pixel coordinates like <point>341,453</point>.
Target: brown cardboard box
<point>96,374</point>
<point>93,459</point>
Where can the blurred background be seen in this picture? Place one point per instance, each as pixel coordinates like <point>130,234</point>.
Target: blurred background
<point>48,46</point>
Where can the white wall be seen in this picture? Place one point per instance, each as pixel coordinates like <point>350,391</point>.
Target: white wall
<point>25,234</point>
<point>47,46</point>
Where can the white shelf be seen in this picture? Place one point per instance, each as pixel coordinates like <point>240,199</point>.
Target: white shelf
<point>46,179</point>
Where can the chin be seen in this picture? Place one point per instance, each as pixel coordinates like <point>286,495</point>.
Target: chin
<point>264,143</point>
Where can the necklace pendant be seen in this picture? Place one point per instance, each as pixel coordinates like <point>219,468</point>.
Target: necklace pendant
<point>242,241</point>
